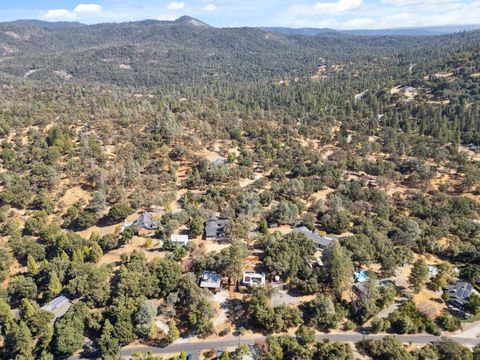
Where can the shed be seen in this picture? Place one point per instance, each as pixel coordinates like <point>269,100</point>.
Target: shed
<point>181,240</point>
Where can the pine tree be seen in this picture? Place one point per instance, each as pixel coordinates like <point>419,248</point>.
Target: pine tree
<point>27,310</point>
<point>108,343</point>
<point>54,286</point>
<point>32,265</point>
<point>418,276</point>
<point>95,253</point>
<point>20,342</point>
<point>339,266</point>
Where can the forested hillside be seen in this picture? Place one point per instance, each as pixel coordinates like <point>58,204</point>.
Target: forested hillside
<point>345,171</point>
<point>186,51</point>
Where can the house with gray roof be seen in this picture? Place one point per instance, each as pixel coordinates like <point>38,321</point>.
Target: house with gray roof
<point>210,280</point>
<point>322,241</point>
<point>215,228</point>
<point>459,293</point>
<point>145,221</point>
<point>58,306</point>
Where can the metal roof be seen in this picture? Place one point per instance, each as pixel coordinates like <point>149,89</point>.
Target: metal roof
<point>211,280</point>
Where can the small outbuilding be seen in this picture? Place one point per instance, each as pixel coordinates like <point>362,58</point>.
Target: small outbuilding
<point>181,240</point>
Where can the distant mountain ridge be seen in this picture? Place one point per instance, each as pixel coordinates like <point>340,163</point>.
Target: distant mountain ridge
<point>189,51</point>
<point>407,31</point>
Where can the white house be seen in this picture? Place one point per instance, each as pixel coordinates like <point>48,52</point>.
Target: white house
<point>181,240</point>
<point>253,278</point>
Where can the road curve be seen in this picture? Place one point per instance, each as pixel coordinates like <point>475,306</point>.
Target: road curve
<point>234,341</point>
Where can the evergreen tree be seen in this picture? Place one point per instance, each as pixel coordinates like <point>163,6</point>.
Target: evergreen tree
<point>418,275</point>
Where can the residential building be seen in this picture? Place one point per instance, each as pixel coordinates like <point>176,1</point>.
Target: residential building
<point>146,225</point>
<point>459,293</point>
<point>362,289</point>
<point>215,228</point>
<point>322,241</point>
<point>210,280</point>
<point>58,306</point>
<point>253,279</point>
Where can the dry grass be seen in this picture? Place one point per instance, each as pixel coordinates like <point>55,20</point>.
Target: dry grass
<point>73,195</point>
<point>138,244</point>
<point>429,303</point>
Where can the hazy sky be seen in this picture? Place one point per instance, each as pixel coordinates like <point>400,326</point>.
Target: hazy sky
<point>341,14</point>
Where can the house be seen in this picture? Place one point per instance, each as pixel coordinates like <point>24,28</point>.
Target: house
<point>58,307</point>
<point>215,228</point>
<point>459,293</point>
<point>253,279</point>
<point>322,242</point>
<point>146,225</point>
<point>181,240</point>
<point>362,289</point>
<point>210,280</point>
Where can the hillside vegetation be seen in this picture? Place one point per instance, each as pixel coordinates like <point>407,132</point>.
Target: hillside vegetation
<point>373,140</point>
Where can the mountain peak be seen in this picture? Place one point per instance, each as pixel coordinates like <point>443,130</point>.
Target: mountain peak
<point>191,21</point>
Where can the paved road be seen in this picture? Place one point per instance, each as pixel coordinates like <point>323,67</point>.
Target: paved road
<point>234,341</point>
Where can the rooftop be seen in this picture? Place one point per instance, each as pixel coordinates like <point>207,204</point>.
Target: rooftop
<point>322,241</point>
<point>210,280</point>
<point>460,292</point>
<point>146,221</point>
<point>215,227</point>
<point>179,239</point>
<point>58,306</point>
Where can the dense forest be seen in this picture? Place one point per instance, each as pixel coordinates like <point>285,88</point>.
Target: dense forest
<point>372,140</point>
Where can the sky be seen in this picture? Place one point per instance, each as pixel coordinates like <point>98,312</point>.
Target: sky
<point>337,14</point>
